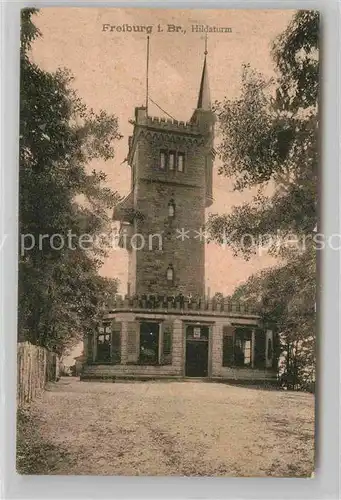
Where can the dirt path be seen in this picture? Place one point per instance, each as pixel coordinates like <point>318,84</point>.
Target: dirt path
<point>174,428</point>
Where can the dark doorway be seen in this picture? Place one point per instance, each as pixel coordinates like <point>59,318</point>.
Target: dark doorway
<point>196,351</point>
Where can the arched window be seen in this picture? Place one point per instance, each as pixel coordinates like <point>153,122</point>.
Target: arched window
<point>170,273</point>
<point>171,209</point>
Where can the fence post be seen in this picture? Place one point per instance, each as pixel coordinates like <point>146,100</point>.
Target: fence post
<point>35,365</point>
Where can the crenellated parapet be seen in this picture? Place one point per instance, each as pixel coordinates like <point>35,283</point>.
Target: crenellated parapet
<point>179,303</point>
<point>164,124</point>
<point>171,125</point>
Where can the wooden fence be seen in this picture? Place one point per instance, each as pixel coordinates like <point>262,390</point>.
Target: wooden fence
<point>35,367</point>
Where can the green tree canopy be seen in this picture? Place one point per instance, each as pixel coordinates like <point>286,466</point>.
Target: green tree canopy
<point>60,290</point>
<point>269,143</point>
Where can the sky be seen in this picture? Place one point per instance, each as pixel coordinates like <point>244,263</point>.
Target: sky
<point>109,71</point>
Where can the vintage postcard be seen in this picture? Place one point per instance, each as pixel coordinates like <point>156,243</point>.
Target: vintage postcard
<point>168,242</point>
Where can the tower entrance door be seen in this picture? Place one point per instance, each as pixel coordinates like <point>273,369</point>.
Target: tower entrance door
<point>197,351</point>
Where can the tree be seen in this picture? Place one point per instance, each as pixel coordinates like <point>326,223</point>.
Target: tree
<point>60,290</point>
<point>269,143</point>
<point>285,299</point>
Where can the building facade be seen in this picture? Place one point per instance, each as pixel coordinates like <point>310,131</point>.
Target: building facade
<point>166,326</point>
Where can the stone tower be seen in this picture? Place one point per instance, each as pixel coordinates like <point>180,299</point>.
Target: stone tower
<point>154,332</point>
<point>162,218</point>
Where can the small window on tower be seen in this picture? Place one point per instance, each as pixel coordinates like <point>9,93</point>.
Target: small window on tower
<point>104,345</point>
<point>171,209</point>
<point>162,160</point>
<point>181,162</point>
<point>149,343</point>
<point>171,161</point>
<point>170,273</point>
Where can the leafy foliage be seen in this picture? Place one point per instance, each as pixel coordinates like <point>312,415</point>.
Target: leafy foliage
<point>60,290</point>
<point>269,143</point>
<point>284,296</point>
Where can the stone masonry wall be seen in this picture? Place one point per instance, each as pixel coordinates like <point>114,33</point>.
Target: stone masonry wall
<point>154,191</point>
<point>131,321</point>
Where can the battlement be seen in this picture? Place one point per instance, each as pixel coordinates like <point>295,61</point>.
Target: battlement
<point>167,124</point>
<point>179,304</point>
<point>172,125</point>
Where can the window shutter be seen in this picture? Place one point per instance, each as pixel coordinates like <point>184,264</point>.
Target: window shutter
<point>260,346</point>
<point>269,349</point>
<point>132,342</point>
<point>116,343</point>
<point>90,348</point>
<point>276,347</point>
<point>228,350</point>
<point>167,343</point>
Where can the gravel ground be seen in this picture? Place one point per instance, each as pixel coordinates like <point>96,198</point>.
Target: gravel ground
<point>168,428</point>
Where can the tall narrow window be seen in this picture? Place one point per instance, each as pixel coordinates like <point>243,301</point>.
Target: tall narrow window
<point>90,347</point>
<point>167,327</point>
<point>104,345</point>
<point>171,161</point>
<point>260,347</point>
<point>242,347</point>
<point>171,209</point>
<point>228,347</point>
<point>162,160</point>
<point>181,162</point>
<point>170,273</point>
<point>269,349</point>
<point>116,342</point>
<point>149,343</point>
